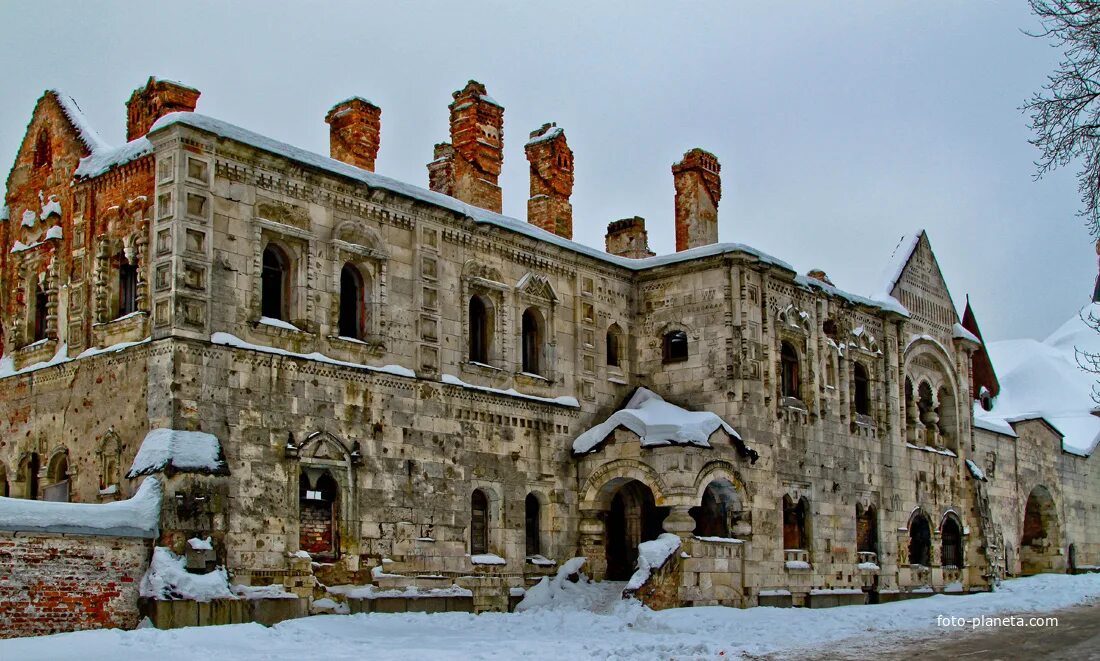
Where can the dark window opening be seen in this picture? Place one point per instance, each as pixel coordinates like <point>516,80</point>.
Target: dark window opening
<point>613,340</point>
<point>479,331</point>
<point>30,477</point>
<point>479,523</point>
<point>41,303</point>
<point>274,283</point>
<point>531,507</point>
<point>43,155</point>
<point>920,541</point>
<point>318,505</point>
<point>863,389</point>
<point>829,328</point>
<point>866,530</point>
<point>127,286</point>
<point>632,518</point>
<point>352,301</point>
<point>532,341</point>
<point>789,376</point>
<point>951,543</point>
<point>676,346</point>
<point>795,535</point>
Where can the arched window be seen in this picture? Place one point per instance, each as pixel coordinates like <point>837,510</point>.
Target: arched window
<point>614,345</point>
<point>532,341</point>
<point>479,523</point>
<point>41,303</point>
<point>866,530</point>
<point>863,389</point>
<point>920,541</point>
<point>58,474</point>
<point>676,346</point>
<point>794,524</point>
<point>352,303</point>
<point>789,376</point>
<point>480,330</point>
<point>951,549</point>
<point>275,283</point>
<point>531,509</point>
<point>127,286</point>
<point>43,155</point>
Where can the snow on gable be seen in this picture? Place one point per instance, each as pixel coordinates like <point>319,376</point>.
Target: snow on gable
<point>657,423</point>
<point>182,451</point>
<point>88,135</point>
<point>914,276</point>
<point>137,517</point>
<point>103,159</point>
<point>903,251</point>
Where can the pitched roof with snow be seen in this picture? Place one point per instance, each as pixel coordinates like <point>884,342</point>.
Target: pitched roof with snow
<point>658,423</point>
<point>137,517</point>
<point>1043,380</point>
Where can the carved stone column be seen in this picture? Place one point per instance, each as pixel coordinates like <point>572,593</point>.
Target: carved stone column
<point>679,521</point>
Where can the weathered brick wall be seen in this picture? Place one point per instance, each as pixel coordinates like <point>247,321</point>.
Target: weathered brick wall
<point>54,583</point>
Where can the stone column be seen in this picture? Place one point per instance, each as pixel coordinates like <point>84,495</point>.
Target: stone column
<point>679,521</point>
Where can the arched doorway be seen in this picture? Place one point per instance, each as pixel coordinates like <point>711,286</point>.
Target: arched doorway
<point>318,505</point>
<point>632,518</point>
<point>1039,542</point>
<point>920,540</point>
<point>719,510</point>
<point>951,543</point>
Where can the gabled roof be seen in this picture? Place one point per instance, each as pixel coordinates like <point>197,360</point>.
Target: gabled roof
<point>84,130</point>
<point>982,373</point>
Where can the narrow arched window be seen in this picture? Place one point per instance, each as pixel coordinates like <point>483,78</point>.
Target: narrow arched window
<point>866,530</point>
<point>863,389</point>
<point>479,331</point>
<point>127,286</point>
<point>275,282</point>
<point>43,153</point>
<point>951,543</point>
<point>479,523</point>
<point>531,510</point>
<point>920,541</point>
<point>351,303</point>
<point>675,346</point>
<point>59,488</point>
<point>789,376</point>
<point>41,303</point>
<point>614,345</point>
<point>794,524</point>
<point>532,341</point>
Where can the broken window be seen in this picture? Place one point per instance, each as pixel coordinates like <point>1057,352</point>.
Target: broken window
<point>41,304</point>
<point>794,524</point>
<point>866,530</point>
<point>127,286</point>
<point>862,389</point>
<point>318,504</point>
<point>614,340</point>
<point>789,373</point>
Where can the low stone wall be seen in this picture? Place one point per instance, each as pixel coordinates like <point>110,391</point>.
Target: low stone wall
<point>412,605</point>
<point>52,582</point>
<point>185,613</point>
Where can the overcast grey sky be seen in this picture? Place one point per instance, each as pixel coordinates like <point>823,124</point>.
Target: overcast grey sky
<point>839,126</point>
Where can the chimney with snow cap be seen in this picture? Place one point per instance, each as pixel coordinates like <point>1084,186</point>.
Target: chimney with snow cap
<point>157,99</point>
<point>698,189</point>
<point>469,166</point>
<point>628,238</point>
<point>551,180</point>
<point>355,132</point>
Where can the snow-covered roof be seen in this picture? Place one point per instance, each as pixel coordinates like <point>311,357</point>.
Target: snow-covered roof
<point>891,273</point>
<point>88,135</point>
<point>137,517</point>
<point>961,333</point>
<point>104,158</point>
<point>657,423</point>
<point>1044,380</point>
<point>550,134</point>
<point>181,451</point>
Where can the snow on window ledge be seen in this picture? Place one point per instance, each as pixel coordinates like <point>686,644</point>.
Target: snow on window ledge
<point>278,323</point>
<point>487,559</point>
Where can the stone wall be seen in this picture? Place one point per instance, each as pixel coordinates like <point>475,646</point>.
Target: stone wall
<point>51,583</point>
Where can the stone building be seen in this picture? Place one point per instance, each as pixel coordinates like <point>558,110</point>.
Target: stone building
<point>403,374</point>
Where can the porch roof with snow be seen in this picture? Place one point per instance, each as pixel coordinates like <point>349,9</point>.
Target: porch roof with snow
<point>176,451</point>
<point>659,423</point>
<point>138,516</point>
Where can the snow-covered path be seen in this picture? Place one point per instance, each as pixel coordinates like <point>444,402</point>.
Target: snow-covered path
<point>624,630</point>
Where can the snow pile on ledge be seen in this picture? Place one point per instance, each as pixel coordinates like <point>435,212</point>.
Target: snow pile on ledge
<point>487,559</point>
<point>104,158</point>
<point>511,392</point>
<point>229,340</point>
<point>198,544</point>
<point>977,472</point>
<point>1044,380</point>
<point>275,591</point>
<point>137,517</point>
<point>564,588</point>
<point>652,555</point>
<point>168,580</point>
<point>959,332</point>
<point>656,422</point>
<point>185,451</point>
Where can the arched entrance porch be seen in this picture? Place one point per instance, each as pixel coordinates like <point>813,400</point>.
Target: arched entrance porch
<point>632,517</point>
<point>1040,541</point>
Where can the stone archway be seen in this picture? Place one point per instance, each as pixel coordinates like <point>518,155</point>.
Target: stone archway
<point>1039,542</point>
<point>631,518</point>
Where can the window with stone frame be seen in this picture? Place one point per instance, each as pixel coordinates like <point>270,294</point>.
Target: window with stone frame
<point>127,285</point>
<point>481,333</point>
<point>675,347</point>
<point>790,376</point>
<point>866,529</point>
<point>795,528</point>
<point>532,337</point>
<point>318,508</point>
<point>39,320</point>
<point>535,305</point>
<point>861,385</point>
<point>275,283</point>
<point>920,540</point>
<point>951,542</point>
<point>532,515</point>
<point>356,306</point>
<point>614,346</point>
<point>479,522</point>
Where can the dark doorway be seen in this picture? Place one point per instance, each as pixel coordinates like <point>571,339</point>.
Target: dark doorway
<point>632,519</point>
<point>479,523</point>
<point>531,506</point>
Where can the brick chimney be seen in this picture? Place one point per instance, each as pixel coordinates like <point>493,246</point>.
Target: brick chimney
<point>155,100</point>
<point>355,131</point>
<point>628,238</point>
<point>551,180</point>
<point>471,167</point>
<point>698,189</point>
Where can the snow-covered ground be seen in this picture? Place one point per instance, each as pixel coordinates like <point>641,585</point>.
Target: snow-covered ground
<point>590,622</point>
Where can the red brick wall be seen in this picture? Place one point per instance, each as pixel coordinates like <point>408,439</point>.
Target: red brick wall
<point>54,583</point>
